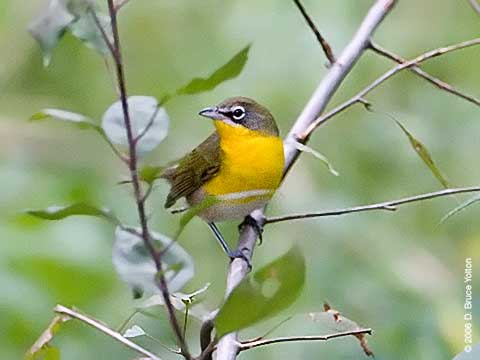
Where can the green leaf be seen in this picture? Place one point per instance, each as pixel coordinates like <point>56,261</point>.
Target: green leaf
<point>86,30</point>
<point>75,16</point>
<point>180,302</point>
<point>135,266</point>
<point>62,115</point>
<point>149,173</point>
<point>270,290</point>
<point>81,121</point>
<point>459,208</point>
<point>424,154</point>
<point>193,211</point>
<point>148,120</point>
<point>134,331</point>
<point>473,353</point>
<point>334,322</point>
<point>41,349</point>
<point>304,148</point>
<point>49,27</point>
<point>62,212</point>
<point>228,71</point>
<point>191,297</point>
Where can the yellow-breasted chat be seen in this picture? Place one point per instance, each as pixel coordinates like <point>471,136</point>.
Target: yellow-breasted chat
<point>240,165</point>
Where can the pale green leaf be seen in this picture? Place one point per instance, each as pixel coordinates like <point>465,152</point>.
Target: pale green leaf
<point>228,71</point>
<point>270,290</point>
<point>148,120</point>
<point>321,157</point>
<point>424,154</point>
<point>459,208</point>
<point>48,28</point>
<point>136,267</point>
<point>134,331</point>
<point>470,353</point>
<point>194,211</point>
<point>62,212</point>
<point>86,30</point>
<point>150,173</point>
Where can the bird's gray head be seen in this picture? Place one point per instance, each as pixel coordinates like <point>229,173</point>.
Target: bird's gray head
<point>243,111</point>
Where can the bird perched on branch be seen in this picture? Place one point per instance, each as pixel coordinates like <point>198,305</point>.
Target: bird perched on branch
<point>235,170</point>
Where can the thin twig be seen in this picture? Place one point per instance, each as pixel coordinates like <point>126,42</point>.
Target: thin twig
<point>475,5</point>
<point>228,347</point>
<point>323,42</point>
<point>120,3</point>
<point>139,198</point>
<point>60,309</point>
<point>256,343</point>
<point>102,30</point>
<point>435,81</point>
<point>387,205</point>
<point>303,135</point>
<point>149,125</point>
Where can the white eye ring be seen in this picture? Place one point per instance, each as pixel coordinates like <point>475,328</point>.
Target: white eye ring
<point>238,112</point>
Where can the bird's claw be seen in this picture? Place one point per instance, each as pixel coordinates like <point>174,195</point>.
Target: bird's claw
<point>249,220</point>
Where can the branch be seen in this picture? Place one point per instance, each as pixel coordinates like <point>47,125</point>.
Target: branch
<point>256,343</point>
<point>475,5</point>
<point>139,197</point>
<point>60,309</point>
<point>387,205</point>
<point>228,346</point>
<point>433,80</point>
<point>305,134</point>
<point>323,42</point>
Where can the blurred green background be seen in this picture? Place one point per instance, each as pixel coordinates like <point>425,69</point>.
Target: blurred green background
<point>395,272</point>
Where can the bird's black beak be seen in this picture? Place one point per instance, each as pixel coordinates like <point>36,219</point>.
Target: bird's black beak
<point>211,112</point>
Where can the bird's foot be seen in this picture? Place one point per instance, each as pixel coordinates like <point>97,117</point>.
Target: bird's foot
<point>249,220</point>
<point>239,254</point>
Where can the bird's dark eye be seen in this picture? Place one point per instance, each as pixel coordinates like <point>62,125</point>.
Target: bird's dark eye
<point>238,113</point>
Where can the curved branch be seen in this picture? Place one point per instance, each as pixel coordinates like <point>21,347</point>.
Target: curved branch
<point>303,135</point>
<point>228,346</point>
<point>387,205</point>
<point>60,309</point>
<point>433,80</point>
<point>256,343</point>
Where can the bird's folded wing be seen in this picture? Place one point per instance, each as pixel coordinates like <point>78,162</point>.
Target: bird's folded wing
<point>193,170</point>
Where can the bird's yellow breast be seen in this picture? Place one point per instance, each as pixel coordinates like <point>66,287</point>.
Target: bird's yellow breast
<point>252,163</point>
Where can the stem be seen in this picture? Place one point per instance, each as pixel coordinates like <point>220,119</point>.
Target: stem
<point>256,343</point>
<point>387,205</point>
<point>303,136</point>
<point>139,198</point>
<point>433,80</point>
<point>59,309</point>
<point>323,42</point>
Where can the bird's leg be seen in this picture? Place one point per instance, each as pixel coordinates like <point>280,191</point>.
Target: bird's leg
<point>220,238</point>
<point>249,220</point>
<point>231,254</point>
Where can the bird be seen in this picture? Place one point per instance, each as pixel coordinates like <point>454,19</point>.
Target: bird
<point>238,167</point>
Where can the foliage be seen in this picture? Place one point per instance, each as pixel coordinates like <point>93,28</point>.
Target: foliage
<point>42,164</point>
<point>270,290</point>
